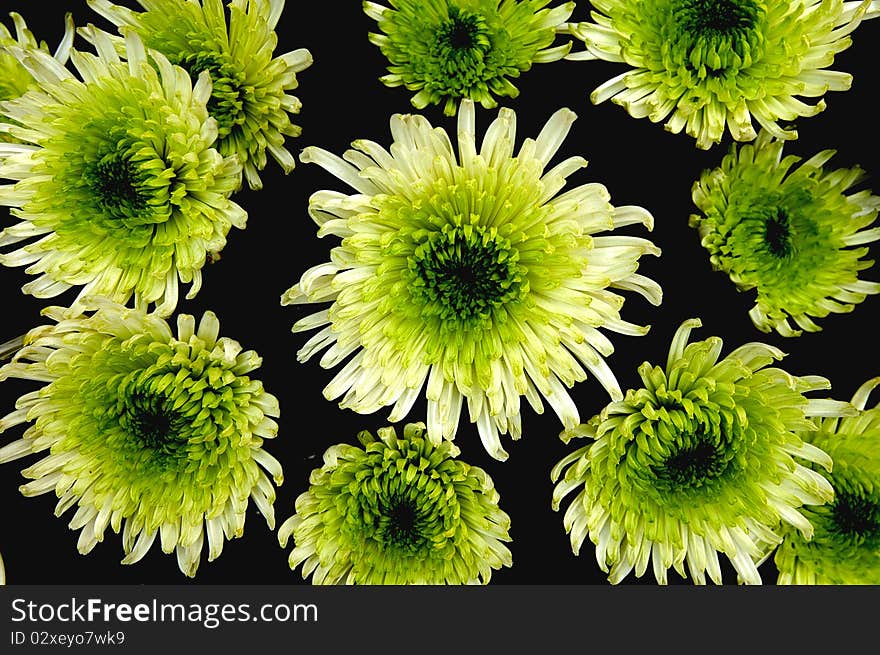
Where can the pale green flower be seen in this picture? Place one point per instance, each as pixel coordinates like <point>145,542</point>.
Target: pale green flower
<point>788,232</point>
<point>446,50</point>
<point>115,180</point>
<point>236,46</point>
<point>705,66</point>
<point>467,275</point>
<point>704,459</point>
<point>845,548</point>
<point>15,80</point>
<point>398,510</point>
<point>153,434</point>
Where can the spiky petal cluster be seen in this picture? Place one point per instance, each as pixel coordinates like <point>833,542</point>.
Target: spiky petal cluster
<point>115,179</point>
<point>845,548</point>
<point>704,459</point>
<point>468,275</point>
<point>706,66</point>
<point>787,232</point>
<point>151,433</point>
<point>15,80</point>
<point>249,99</point>
<point>398,510</point>
<point>446,50</point>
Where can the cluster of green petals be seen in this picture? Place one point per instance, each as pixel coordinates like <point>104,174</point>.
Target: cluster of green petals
<point>845,548</point>
<point>446,50</point>
<point>115,177</point>
<point>152,433</point>
<point>708,66</point>
<point>236,46</point>
<point>397,510</point>
<point>788,232</point>
<point>15,80</point>
<point>704,459</point>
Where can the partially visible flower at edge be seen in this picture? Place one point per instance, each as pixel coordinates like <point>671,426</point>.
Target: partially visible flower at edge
<point>845,548</point>
<point>704,459</point>
<point>115,180</point>
<point>706,66</point>
<point>447,50</point>
<point>788,232</point>
<point>148,432</point>
<point>249,96</point>
<point>397,510</point>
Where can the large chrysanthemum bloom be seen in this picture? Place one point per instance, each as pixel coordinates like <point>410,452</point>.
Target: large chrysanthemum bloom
<point>249,99</point>
<point>709,65</point>
<point>446,50</point>
<point>468,275</point>
<point>788,232</point>
<point>116,181</point>
<point>399,510</point>
<point>15,80</point>
<point>845,548</point>
<point>704,459</point>
<point>147,432</point>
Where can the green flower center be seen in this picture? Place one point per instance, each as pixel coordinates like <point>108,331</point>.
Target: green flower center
<point>462,274</point>
<point>399,526</point>
<point>716,18</point>
<point>713,36</point>
<point>226,103</point>
<point>855,515</point>
<point>117,186</point>
<point>778,234</point>
<point>153,426</point>
<point>692,465</point>
<point>462,31</point>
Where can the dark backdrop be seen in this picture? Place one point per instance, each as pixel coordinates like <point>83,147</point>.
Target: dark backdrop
<point>342,97</point>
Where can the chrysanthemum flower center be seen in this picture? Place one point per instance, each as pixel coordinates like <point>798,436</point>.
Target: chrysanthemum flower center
<point>153,425</point>
<point>693,465</point>
<point>778,234</point>
<point>856,515</point>
<point>462,274</point>
<point>710,18</point>
<point>116,184</point>
<point>226,103</point>
<point>399,525</point>
<point>462,31</point>
<point>715,36</point>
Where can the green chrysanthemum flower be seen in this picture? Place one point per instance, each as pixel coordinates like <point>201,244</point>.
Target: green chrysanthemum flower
<point>115,177</point>
<point>705,459</point>
<point>845,548</point>
<point>468,274</point>
<point>249,99</point>
<point>446,50</point>
<point>701,65</point>
<point>15,80</point>
<point>400,510</point>
<point>787,233</point>
<point>147,432</point>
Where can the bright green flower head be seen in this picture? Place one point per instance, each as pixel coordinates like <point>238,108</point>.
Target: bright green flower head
<point>147,432</point>
<point>15,80</point>
<point>466,274</point>
<point>115,179</point>
<point>787,232</point>
<point>399,510</point>
<point>704,459</point>
<point>249,98</point>
<point>845,548</point>
<point>705,66</point>
<point>446,50</point>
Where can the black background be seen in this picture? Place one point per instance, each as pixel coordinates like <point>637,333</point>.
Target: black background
<point>343,100</point>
